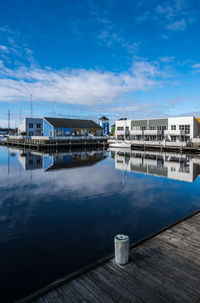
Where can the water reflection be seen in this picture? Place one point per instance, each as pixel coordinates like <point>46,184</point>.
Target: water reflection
<point>73,159</point>
<point>170,165</point>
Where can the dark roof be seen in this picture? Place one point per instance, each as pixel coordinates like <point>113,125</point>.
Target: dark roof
<point>122,119</point>
<point>104,118</point>
<point>75,163</point>
<point>72,123</point>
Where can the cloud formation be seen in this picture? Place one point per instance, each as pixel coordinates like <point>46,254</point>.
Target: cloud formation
<point>75,86</point>
<point>177,25</point>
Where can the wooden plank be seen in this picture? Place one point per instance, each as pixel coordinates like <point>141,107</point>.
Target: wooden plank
<point>104,286</point>
<point>142,287</point>
<point>172,274</point>
<point>172,258</point>
<point>72,293</point>
<point>175,289</point>
<point>118,284</point>
<point>83,291</point>
<point>103,297</point>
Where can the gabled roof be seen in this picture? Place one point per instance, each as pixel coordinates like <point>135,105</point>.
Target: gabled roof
<point>104,118</point>
<point>72,123</point>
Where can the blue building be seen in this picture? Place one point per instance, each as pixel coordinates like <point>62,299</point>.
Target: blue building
<point>57,127</point>
<point>104,123</point>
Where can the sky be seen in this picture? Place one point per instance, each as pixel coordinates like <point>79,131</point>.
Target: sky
<point>88,58</point>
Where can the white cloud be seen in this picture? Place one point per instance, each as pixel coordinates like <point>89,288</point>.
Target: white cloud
<point>86,87</point>
<point>4,49</point>
<point>167,11</point>
<point>177,25</point>
<point>196,66</point>
<point>166,59</point>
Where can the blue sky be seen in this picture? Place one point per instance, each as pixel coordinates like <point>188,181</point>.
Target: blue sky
<point>86,58</point>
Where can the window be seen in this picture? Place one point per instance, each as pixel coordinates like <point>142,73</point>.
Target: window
<point>173,138</point>
<point>135,127</point>
<point>127,128</point>
<point>38,125</point>
<point>152,127</point>
<point>186,128</point>
<point>30,133</point>
<point>30,162</point>
<point>30,125</point>
<point>120,128</point>
<point>58,132</point>
<point>173,127</point>
<point>164,127</point>
<point>38,161</point>
<point>143,127</point>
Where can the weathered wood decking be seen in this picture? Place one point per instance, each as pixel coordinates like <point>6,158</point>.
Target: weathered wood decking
<point>165,268</point>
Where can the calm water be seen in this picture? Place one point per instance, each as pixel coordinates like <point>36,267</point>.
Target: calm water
<point>60,212</point>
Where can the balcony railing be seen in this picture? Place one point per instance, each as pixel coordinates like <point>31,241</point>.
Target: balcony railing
<point>153,132</point>
<point>135,132</point>
<point>174,132</point>
<point>146,132</point>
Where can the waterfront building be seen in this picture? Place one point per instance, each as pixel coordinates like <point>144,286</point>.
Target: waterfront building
<point>175,129</point>
<point>60,127</point>
<point>31,126</point>
<point>104,123</point>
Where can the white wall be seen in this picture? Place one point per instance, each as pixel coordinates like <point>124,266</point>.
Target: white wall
<point>182,121</point>
<point>124,124</point>
<point>22,127</point>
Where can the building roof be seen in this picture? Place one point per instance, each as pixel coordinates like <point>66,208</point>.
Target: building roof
<point>72,123</point>
<point>73,164</point>
<point>104,118</point>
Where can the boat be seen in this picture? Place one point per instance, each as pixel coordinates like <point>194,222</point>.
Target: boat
<point>120,145</point>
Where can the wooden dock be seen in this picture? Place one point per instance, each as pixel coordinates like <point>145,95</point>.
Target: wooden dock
<point>53,144</point>
<point>163,268</point>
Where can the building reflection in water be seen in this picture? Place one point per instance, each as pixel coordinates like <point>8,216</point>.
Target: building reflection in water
<point>34,160</point>
<point>170,165</point>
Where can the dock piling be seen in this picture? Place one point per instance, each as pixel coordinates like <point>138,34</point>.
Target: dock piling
<point>121,249</point>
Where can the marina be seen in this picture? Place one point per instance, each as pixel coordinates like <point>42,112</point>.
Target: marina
<point>162,268</point>
<point>99,151</point>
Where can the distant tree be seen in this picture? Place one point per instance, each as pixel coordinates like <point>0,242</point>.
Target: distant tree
<point>23,134</point>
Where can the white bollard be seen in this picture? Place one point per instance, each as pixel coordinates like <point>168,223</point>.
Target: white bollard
<point>121,249</point>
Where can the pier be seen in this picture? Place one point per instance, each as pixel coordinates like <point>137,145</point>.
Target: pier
<point>162,268</point>
<point>53,143</point>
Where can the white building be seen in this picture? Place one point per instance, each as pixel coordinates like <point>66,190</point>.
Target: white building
<point>32,127</point>
<point>178,129</point>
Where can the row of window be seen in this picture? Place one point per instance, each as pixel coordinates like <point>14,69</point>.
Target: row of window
<point>38,125</point>
<point>159,127</point>
<point>181,127</point>
<point>186,128</point>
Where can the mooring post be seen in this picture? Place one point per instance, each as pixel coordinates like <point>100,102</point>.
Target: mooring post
<point>121,249</point>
